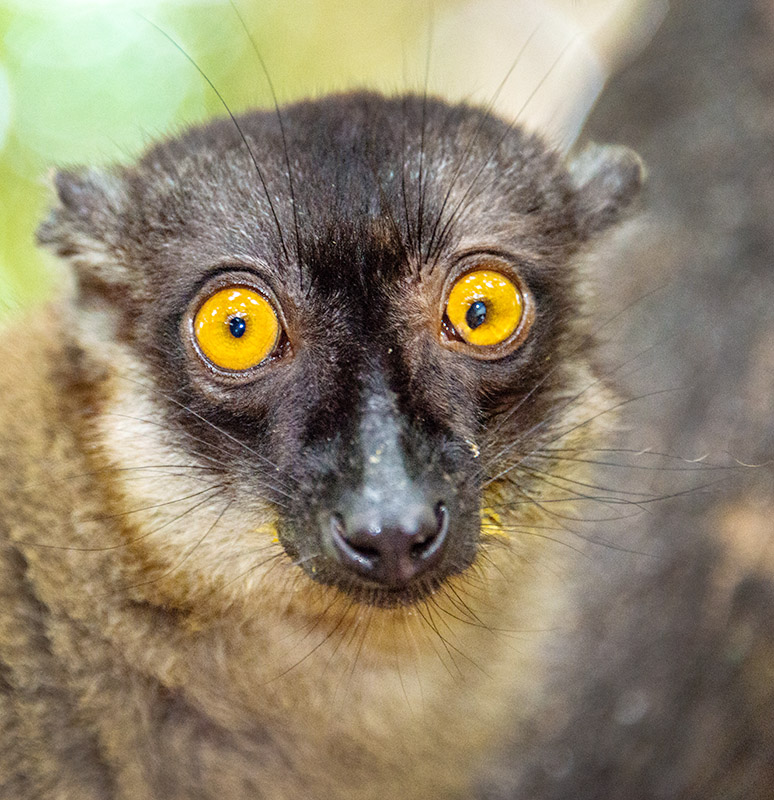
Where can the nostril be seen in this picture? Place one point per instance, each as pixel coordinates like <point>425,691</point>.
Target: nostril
<point>357,552</point>
<point>428,541</point>
<point>436,543</point>
<point>418,548</point>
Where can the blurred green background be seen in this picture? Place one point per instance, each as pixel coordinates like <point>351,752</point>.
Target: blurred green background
<point>94,82</point>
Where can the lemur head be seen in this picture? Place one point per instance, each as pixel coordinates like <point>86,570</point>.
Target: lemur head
<point>347,325</point>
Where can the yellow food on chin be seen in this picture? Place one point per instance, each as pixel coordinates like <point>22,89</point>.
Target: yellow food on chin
<point>501,312</point>
<point>236,328</point>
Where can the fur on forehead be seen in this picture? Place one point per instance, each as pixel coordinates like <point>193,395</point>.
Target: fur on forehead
<point>398,164</point>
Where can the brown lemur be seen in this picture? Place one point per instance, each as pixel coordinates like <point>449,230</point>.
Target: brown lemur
<point>276,482</point>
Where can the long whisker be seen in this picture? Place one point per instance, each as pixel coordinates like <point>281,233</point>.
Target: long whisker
<point>273,557</point>
<point>412,245</point>
<point>562,406</point>
<point>223,466</point>
<point>541,474</point>
<point>659,499</point>
<point>420,213</point>
<point>385,205</point>
<point>283,135</point>
<point>238,127</point>
<point>210,424</point>
<point>563,433</point>
<point>495,430</point>
<point>186,555</point>
<point>168,469</point>
<point>145,535</point>
<point>547,453</point>
<point>311,652</point>
<point>463,159</point>
<point>445,230</point>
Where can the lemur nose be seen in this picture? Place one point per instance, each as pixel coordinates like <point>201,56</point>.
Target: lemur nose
<point>391,553</point>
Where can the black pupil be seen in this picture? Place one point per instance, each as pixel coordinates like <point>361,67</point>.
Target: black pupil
<point>237,326</point>
<point>476,314</point>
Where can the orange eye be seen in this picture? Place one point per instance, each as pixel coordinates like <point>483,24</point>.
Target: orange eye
<point>236,328</point>
<point>484,307</point>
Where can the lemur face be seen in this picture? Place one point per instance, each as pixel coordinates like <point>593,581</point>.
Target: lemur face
<point>354,320</point>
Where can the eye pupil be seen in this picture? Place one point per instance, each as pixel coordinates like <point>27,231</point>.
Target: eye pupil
<point>237,326</point>
<point>476,314</point>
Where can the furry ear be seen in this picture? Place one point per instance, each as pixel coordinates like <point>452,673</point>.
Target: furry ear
<point>606,178</point>
<point>84,227</point>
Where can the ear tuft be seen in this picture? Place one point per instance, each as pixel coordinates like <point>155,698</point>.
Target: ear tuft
<point>85,227</point>
<point>87,192</point>
<point>606,178</point>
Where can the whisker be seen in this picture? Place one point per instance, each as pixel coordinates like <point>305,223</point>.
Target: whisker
<point>137,538</point>
<point>697,466</point>
<point>214,427</point>
<point>658,499</point>
<point>169,469</point>
<point>187,434</point>
<point>319,644</point>
<point>546,476</point>
<point>563,433</point>
<point>423,130</point>
<point>223,466</point>
<point>238,127</point>
<point>461,203</point>
<point>310,628</point>
<point>283,135</point>
<point>526,531</point>
<point>541,504</point>
<point>469,147</point>
<point>500,423</point>
<point>430,604</point>
<point>369,615</point>
<point>252,568</point>
<point>466,616</point>
<point>186,555</point>
<point>151,507</point>
<point>385,205</point>
<point>459,603</point>
<point>441,639</point>
<point>615,407</point>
